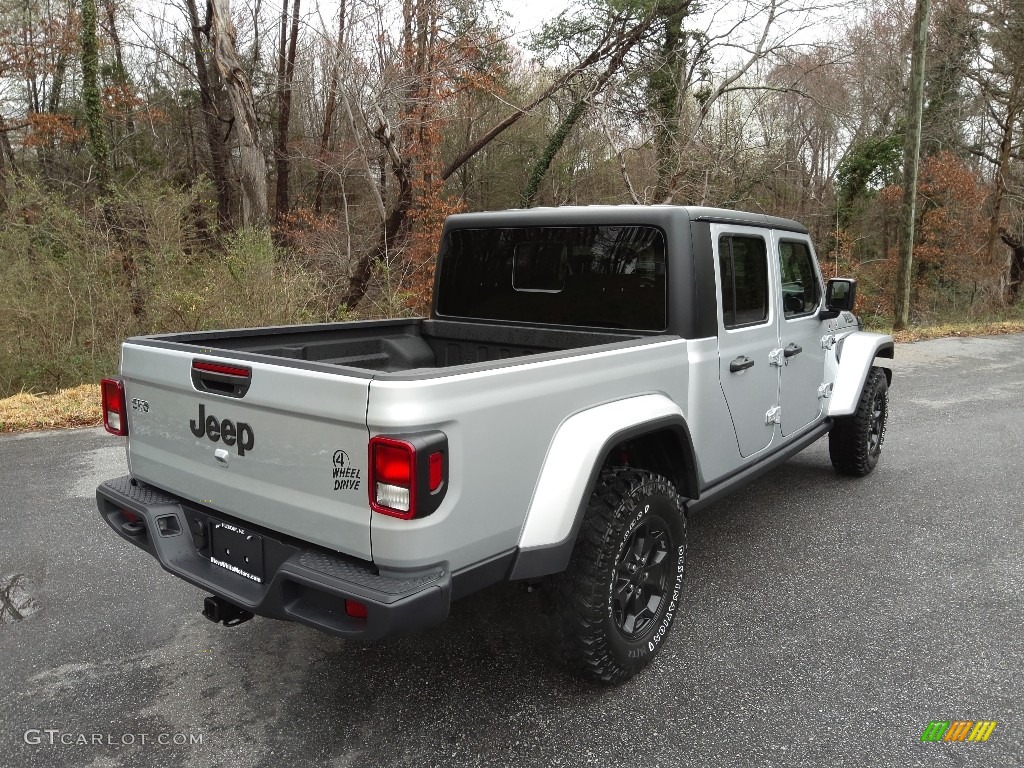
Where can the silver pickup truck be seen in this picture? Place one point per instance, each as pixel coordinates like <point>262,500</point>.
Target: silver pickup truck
<point>586,377</point>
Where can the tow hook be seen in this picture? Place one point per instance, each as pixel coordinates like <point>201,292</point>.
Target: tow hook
<point>218,610</point>
<point>133,527</point>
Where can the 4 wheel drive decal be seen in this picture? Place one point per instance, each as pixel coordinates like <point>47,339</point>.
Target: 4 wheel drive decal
<point>346,477</point>
<point>240,435</point>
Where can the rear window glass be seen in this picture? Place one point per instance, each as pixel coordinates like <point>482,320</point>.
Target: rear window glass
<point>598,276</point>
<point>744,266</point>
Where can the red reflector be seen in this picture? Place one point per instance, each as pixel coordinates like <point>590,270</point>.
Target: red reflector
<point>227,370</point>
<point>436,470</point>
<point>392,463</point>
<point>355,609</point>
<point>115,414</point>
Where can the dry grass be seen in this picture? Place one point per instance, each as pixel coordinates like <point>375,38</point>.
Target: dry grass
<point>944,330</point>
<point>80,406</point>
<point>74,407</point>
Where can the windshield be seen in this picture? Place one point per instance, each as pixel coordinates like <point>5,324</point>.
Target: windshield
<point>598,276</point>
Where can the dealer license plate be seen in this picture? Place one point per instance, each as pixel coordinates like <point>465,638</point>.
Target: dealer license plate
<point>236,550</point>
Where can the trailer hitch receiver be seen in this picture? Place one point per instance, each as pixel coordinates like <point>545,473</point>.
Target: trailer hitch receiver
<point>218,610</point>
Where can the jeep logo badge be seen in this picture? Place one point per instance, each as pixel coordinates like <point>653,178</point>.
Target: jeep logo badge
<point>227,431</point>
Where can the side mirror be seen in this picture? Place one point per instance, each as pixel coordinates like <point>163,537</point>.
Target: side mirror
<point>840,295</point>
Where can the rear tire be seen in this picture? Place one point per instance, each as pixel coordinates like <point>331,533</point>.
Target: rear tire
<point>855,442</point>
<point>619,597</point>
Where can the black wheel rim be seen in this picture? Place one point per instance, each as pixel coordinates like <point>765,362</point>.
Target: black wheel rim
<point>877,424</point>
<point>641,579</point>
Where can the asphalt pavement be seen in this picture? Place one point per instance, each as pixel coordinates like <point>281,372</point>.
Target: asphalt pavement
<point>827,621</point>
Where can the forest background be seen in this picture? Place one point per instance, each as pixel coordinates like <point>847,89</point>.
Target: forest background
<point>177,166</point>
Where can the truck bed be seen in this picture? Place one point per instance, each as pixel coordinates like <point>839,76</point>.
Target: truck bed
<point>394,346</point>
<point>306,405</point>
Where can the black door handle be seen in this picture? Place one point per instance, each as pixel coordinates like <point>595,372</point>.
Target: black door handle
<point>792,349</point>
<point>741,363</point>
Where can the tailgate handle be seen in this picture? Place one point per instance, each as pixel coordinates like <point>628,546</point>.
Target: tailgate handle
<point>221,379</point>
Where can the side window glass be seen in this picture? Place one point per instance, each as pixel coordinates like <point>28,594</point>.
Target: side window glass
<point>744,271</point>
<point>800,290</point>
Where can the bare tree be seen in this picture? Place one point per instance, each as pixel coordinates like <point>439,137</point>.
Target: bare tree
<point>91,94</point>
<point>211,123</point>
<point>285,75</point>
<point>1001,78</point>
<point>252,163</point>
<point>1016,278</point>
<point>911,156</point>
<point>329,110</point>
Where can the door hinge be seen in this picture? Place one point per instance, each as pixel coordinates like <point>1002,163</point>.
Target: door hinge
<point>773,416</point>
<point>829,341</point>
<point>775,357</point>
<point>825,390</point>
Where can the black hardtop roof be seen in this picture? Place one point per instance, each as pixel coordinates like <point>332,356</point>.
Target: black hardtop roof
<point>582,215</point>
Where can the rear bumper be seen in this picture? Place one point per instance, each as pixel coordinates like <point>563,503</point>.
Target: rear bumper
<point>300,583</point>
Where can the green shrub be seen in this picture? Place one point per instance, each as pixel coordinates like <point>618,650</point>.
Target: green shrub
<point>68,277</point>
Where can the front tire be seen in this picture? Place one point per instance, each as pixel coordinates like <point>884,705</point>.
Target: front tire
<point>619,597</point>
<point>855,442</point>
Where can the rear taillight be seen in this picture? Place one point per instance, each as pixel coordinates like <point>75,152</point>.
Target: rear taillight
<point>115,413</point>
<point>392,469</point>
<point>408,474</point>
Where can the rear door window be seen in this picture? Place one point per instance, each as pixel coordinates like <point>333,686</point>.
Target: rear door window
<point>743,263</point>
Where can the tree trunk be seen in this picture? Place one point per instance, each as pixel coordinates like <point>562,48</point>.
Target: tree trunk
<point>285,75</point>
<point>540,168</point>
<point>397,222</point>
<point>1016,281</point>
<point>100,152</point>
<point>91,95</point>
<point>332,104</point>
<point>911,156</point>
<point>211,123</point>
<point>60,69</point>
<point>557,139</point>
<point>666,84</point>
<point>251,162</point>
<point>6,150</point>
<point>120,74</point>
<point>1013,107</point>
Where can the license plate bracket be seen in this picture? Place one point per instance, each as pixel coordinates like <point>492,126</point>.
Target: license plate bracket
<point>236,550</point>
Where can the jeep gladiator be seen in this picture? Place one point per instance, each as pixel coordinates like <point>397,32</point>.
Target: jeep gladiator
<point>587,376</point>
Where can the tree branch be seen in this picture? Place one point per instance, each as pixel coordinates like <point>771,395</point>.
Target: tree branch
<point>605,48</point>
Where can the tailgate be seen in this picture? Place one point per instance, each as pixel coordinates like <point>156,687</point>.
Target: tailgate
<point>290,454</point>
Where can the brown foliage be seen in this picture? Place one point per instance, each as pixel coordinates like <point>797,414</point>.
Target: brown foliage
<point>951,248</point>
<point>951,270</point>
<point>50,130</point>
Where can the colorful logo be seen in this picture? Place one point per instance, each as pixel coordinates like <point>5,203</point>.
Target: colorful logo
<point>958,730</point>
